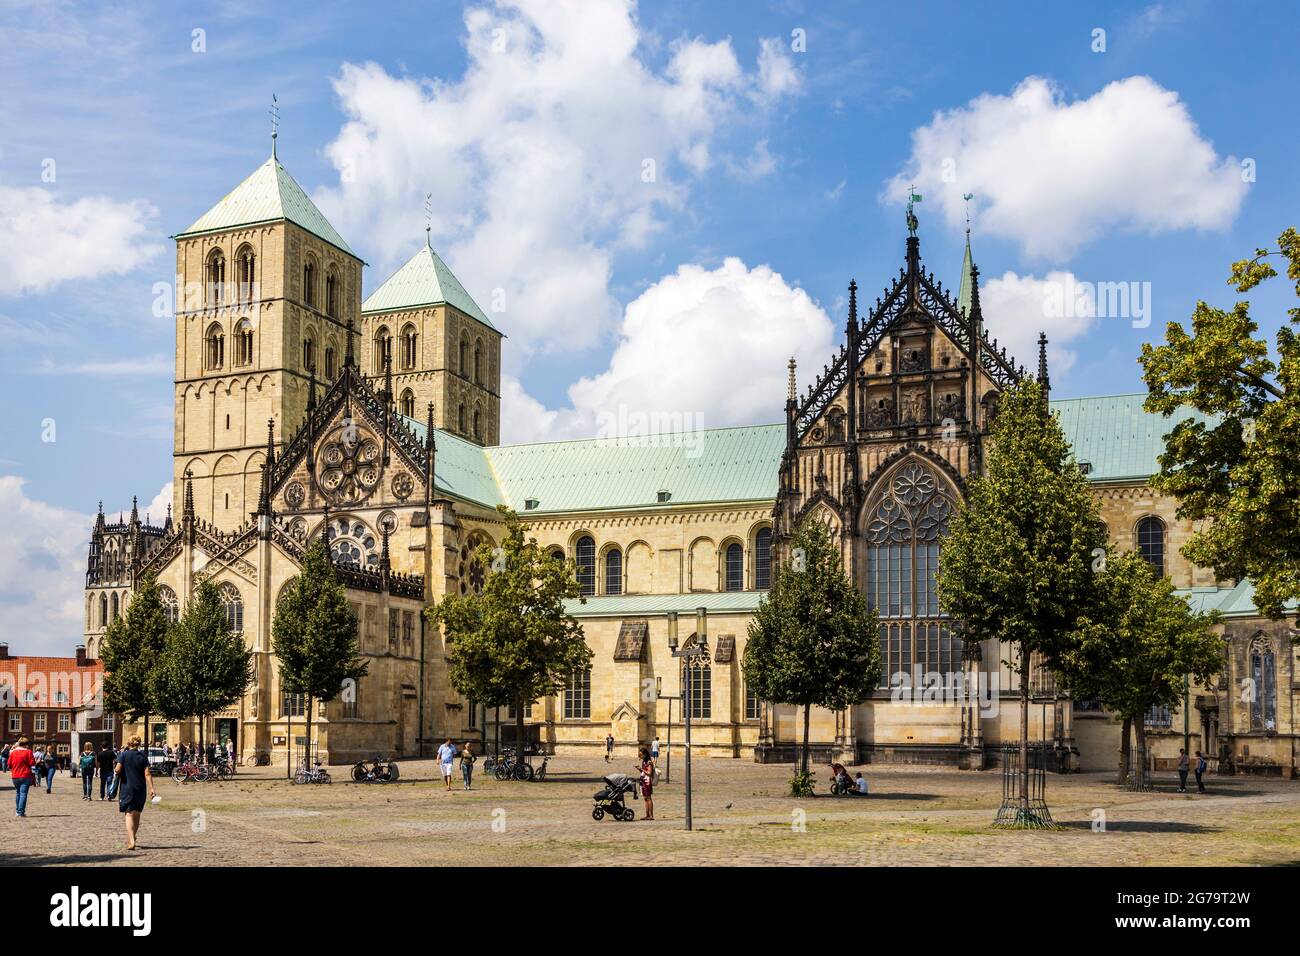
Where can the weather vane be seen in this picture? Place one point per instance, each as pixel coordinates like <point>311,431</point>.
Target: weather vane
<point>428,220</point>
<point>968,197</point>
<point>275,122</point>
<point>912,197</point>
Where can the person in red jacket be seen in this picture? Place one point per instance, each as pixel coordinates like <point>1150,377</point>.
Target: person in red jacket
<point>20,769</point>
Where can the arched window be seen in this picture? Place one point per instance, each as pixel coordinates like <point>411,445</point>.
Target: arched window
<point>1263,682</point>
<point>478,362</point>
<point>464,355</point>
<point>410,347</point>
<point>557,554</point>
<point>700,699</point>
<point>244,343</point>
<point>115,607</point>
<point>460,418</point>
<point>613,571</point>
<point>383,348</point>
<point>103,610</point>
<point>577,696</point>
<point>1151,542</point>
<point>171,607</point>
<point>216,277</point>
<point>585,552</point>
<point>309,282</point>
<point>216,347</point>
<point>902,561</point>
<point>478,425</point>
<point>247,264</point>
<point>332,294</point>
<point>308,353</point>
<point>763,559</point>
<point>408,403</point>
<point>234,606</point>
<point>735,579</point>
<point>329,363</point>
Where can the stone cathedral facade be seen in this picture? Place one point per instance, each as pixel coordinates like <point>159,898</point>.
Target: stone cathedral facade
<point>303,410</point>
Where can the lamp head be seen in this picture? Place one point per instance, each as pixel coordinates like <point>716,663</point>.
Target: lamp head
<point>672,630</point>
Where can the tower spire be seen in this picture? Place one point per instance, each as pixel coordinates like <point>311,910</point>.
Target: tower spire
<point>791,386</point>
<point>347,355</point>
<point>1042,365</point>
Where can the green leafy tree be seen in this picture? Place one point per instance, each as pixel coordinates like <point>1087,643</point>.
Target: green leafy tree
<point>514,642</point>
<point>1017,562</point>
<point>131,650</point>
<point>813,639</point>
<point>1237,474</point>
<point>1138,652</point>
<point>314,635</point>
<point>205,666</point>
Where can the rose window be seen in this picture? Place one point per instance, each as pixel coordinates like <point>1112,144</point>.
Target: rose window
<point>349,465</point>
<point>351,542</point>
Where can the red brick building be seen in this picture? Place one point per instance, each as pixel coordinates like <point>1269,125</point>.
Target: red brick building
<point>54,701</point>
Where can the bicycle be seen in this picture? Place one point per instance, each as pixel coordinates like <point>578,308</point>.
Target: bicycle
<point>257,760</point>
<point>187,771</point>
<point>311,775</point>
<point>379,771</point>
<point>540,773</point>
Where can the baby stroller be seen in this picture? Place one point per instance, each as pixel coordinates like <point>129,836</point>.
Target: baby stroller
<point>610,799</point>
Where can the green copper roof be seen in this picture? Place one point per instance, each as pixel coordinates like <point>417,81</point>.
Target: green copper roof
<point>640,605</point>
<point>424,280</point>
<point>1115,435</point>
<point>967,281</point>
<point>460,467</point>
<point>1236,601</point>
<point>268,195</point>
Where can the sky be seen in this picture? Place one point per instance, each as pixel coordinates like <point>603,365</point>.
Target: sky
<point>659,203</point>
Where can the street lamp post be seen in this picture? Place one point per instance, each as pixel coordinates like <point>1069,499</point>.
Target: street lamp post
<point>668,756</point>
<point>700,648</point>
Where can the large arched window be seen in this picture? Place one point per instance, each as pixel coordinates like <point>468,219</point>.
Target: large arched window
<point>464,355</point>
<point>460,418</point>
<point>700,699</point>
<point>478,425</point>
<point>577,696</point>
<point>613,571</point>
<point>171,607</point>
<point>763,559</point>
<point>1263,683</point>
<point>246,263</point>
<point>330,352</point>
<point>103,610</point>
<point>902,561</point>
<point>216,277</point>
<point>734,579</point>
<point>216,347</point>
<point>410,347</point>
<point>115,607</point>
<point>309,283</point>
<point>408,403</point>
<point>478,362</point>
<point>1151,542</point>
<point>383,348</point>
<point>585,553</point>
<point>244,343</point>
<point>309,353</point>
<point>234,606</point>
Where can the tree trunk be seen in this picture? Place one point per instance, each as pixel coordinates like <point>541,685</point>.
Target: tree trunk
<point>1125,750</point>
<point>288,743</point>
<point>147,741</point>
<point>1140,775</point>
<point>807,710</point>
<point>497,751</point>
<point>307,761</point>
<point>519,731</point>
<point>1024,731</point>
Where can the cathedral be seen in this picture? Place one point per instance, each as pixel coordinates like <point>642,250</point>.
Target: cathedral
<point>302,409</point>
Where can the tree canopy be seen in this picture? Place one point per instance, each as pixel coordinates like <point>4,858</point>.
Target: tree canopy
<point>1238,473</point>
<point>132,648</point>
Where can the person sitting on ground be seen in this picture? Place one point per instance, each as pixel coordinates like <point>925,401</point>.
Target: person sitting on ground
<point>840,775</point>
<point>860,785</point>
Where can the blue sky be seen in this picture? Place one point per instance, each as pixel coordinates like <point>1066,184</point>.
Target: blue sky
<point>783,135</point>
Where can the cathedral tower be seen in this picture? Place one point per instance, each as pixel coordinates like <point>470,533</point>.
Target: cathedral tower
<point>443,348</point>
<point>267,291</point>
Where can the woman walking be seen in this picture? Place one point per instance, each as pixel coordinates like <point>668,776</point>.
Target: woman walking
<point>647,771</point>
<point>133,770</point>
<point>467,759</point>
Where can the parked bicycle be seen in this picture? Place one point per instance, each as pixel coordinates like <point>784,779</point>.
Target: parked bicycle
<point>316,774</point>
<point>511,768</point>
<point>540,773</point>
<point>257,760</point>
<point>189,770</point>
<point>377,771</point>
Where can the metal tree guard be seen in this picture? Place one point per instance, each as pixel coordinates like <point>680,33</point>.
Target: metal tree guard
<point>1011,815</point>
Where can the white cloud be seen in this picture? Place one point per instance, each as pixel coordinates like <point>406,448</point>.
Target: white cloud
<point>1055,175</point>
<point>776,73</point>
<point>146,365</point>
<point>558,145</point>
<point>43,568</point>
<point>1016,308</point>
<point>45,240</point>
<point>703,347</point>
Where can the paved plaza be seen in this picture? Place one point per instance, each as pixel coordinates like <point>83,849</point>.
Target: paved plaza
<point>742,816</point>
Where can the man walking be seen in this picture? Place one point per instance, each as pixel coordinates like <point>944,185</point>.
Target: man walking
<point>1182,770</point>
<point>1200,769</point>
<point>21,762</point>
<point>86,764</point>
<point>654,749</point>
<point>106,762</point>
<point>609,747</point>
<point>133,770</point>
<point>446,756</point>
